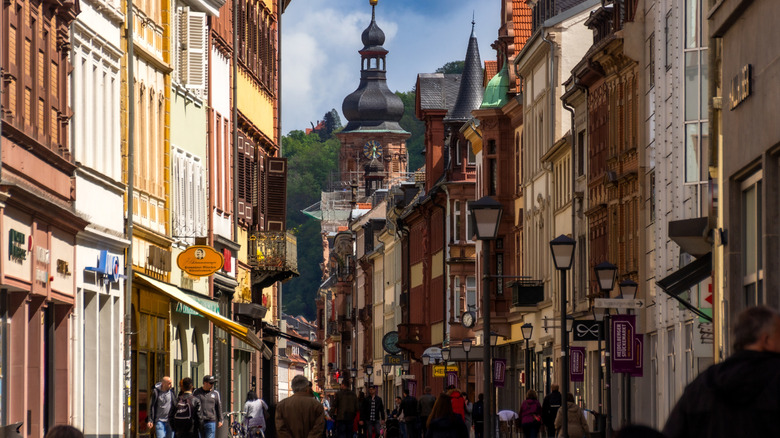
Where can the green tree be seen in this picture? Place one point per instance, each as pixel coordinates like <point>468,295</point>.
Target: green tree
<point>414,145</point>
<point>452,67</point>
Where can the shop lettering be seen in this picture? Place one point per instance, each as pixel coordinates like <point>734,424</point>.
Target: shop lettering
<point>16,250</point>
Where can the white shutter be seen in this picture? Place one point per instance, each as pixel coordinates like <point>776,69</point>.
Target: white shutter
<point>196,50</point>
<point>190,197</point>
<point>181,183</point>
<point>200,200</point>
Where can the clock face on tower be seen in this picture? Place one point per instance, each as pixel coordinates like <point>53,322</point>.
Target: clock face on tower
<point>372,149</point>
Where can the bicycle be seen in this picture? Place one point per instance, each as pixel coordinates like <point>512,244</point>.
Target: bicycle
<point>241,429</point>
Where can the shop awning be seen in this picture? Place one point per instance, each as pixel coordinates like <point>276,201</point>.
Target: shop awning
<point>685,278</point>
<point>235,329</point>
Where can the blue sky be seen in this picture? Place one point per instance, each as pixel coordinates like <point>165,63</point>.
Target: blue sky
<point>321,39</point>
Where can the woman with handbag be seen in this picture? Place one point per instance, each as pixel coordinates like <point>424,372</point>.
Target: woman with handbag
<point>578,425</point>
<point>530,415</point>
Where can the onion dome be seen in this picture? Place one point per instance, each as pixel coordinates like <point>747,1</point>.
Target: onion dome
<point>470,92</point>
<point>496,92</point>
<point>373,107</point>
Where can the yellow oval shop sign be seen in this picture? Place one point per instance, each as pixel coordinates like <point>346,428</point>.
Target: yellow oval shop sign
<point>200,261</point>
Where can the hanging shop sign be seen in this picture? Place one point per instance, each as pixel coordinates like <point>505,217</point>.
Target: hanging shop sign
<point>639,343</point>
<point>577,364</point>
<point>200,260</point>
<point>499,372</point>
<point>107,266</point>
<point>623,344</point>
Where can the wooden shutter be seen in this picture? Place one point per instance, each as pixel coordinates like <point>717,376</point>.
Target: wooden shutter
<point>276,193</point>
<point>196,51</point>
<point>240,177</point>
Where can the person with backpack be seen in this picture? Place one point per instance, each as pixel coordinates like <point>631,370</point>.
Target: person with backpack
<point>160,405</point>
<point>210,407</point>
<point>345,409</point>
<point>184,418</point>
<point>458,402</point>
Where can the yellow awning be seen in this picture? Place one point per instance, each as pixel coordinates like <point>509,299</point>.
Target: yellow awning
<point>235,329</point>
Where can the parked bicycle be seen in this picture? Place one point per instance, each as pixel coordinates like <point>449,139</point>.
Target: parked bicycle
<point>239,426</point>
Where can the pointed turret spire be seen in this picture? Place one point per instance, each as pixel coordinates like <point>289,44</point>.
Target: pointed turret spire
<point>470,92</point>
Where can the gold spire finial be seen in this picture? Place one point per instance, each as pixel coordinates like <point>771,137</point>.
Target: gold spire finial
<point>373,2</point>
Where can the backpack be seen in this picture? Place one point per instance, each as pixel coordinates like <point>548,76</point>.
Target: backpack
<point>184,417</point>
<point>459,406</point>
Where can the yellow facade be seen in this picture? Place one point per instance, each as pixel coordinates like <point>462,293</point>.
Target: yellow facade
<point>255,104</point>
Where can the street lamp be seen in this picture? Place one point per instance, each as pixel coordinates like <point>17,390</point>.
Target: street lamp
<point>605,273</point>
<point>486,217</point>
<point>562,248</point>
<point>445,357</point>
<point>528,330</point>
<point>628,289</point>
<point>353,373</point>
<point>466,344</point>
<point>370,374</point>
<point>386,370</point>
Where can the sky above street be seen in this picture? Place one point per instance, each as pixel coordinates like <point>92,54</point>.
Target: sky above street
<point>321,39</point>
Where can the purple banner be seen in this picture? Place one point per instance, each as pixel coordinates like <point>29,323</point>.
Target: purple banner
<point>499,372</point>
<point>623,329</point>
<point>452,378</point>
<point>577,364</point>
<point>639,343</point>
<point>411,385</point>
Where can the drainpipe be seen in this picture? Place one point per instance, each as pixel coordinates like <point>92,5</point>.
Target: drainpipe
<point>552,86</point>
<point>129,209</point>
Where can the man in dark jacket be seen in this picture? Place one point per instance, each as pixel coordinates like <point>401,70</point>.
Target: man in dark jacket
<point>372,412</point>
<point>741,395</point>
<point>425,407</point>
<point>478,416</point>
<point>161,403</point>
<point>550,405</point>
<point>210,407</point>
<point>409,409</point>
<point>184,417</point>
<point>344,409</point>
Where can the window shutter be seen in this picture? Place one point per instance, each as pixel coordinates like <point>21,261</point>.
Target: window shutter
<point>190,198</point>
<point>196,51</point>
<point>200,200</point>
<point>261,197</point>
<point>181,42</point>
<point>249,169</point>
<point>181,202</point>
<point>175,176</point>
<point>276,190</point>
<point>240,177</point>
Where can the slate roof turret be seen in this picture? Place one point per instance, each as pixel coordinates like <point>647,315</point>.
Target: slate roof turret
<point>470,92</point>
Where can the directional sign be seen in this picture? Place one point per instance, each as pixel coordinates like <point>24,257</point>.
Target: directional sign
<point>617,303</point>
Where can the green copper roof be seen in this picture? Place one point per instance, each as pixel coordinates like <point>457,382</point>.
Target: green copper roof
<point>497,89</point>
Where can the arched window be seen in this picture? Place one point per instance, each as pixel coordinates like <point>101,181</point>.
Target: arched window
<point>195,368</point>
<point>179,350</point>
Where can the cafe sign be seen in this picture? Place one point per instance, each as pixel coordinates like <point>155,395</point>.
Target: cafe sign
<point>200,260</point>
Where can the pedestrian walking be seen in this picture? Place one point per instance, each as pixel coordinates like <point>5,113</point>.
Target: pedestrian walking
<point>210,407</point>
<point>409,411</point>
<point>160,405</point>
<point>552,402</point>
<point>739,396</point>
<point>344,410</point>
<point>578,425</point>
<point>185,417</point>
<point>425,407</point>
<point>300,415</point>
<point>530,415</point>
<point>64,431</point>
<point>398,417</point>
<point>478,416</point>
<point>255,410</point>
<point>372,413</point>
<point>469,411</point>
<point>443,423</point>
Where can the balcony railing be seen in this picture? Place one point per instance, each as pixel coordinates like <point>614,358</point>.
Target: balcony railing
<point>527,293</point>
<point>273,251</point>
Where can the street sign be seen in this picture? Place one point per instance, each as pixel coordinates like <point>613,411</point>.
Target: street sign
<point>617,303</point>
<point>438,370</point>
<point>393,359</point>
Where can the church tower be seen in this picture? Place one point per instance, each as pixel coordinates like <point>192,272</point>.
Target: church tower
<point>373,144</point>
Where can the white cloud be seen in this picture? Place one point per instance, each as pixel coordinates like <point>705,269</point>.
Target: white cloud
<point>321,39</point>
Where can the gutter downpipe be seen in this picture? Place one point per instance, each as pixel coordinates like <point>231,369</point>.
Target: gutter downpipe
<point>564,378</point>
<point>129,210</point>
<point>439,185</point>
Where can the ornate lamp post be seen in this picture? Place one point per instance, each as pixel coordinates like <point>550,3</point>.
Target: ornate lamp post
<point>528,330</point>
<point>405,364</point>
<point>445,357</point>
<point>386,370</point>
<point>486,216</point>
<point>605,274</point>
<point>466,344</point>
<point>562,248</point>
<point>628,292</point>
